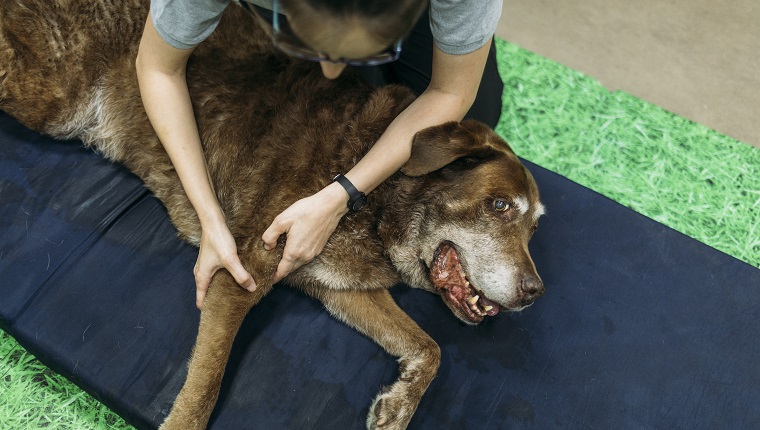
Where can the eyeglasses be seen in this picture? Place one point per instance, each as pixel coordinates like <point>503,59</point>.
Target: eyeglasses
<point>286,41</point>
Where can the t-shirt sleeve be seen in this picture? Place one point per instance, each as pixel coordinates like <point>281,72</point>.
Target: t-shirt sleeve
<point>184,24</point>
<point>462,26</point>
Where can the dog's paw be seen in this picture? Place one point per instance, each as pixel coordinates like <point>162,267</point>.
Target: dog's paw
<point>392,409</point>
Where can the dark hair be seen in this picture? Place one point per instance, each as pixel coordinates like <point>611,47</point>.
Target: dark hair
<point>387,20</point>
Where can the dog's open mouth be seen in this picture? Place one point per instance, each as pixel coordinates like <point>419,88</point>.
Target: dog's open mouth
<point>454,286</point>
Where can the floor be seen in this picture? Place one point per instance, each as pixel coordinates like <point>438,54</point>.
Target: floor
<point>697,58</point>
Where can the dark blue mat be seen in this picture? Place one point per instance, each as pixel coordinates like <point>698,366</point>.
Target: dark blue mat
<point>641,327</point>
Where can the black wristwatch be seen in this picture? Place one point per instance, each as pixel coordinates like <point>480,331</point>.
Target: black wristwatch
<point>356,198</point>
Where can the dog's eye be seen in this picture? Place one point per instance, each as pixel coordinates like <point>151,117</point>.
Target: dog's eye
<point>500,205</point>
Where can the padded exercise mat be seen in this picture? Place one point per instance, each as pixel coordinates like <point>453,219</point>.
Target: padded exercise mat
<point>641,327</point>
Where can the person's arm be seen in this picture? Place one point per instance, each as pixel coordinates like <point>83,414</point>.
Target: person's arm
<point>452,90</point>
<point>163,88</point>
<point>310,222</point>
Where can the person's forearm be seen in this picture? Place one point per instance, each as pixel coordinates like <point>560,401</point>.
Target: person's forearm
<point>393,149</point>
<point>170,113</point>
<point>167,103</point>
<point>451,93</point>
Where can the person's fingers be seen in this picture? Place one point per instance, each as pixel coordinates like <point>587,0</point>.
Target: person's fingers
<point>274,231</point>
<point>242,277</point>
<point>307,229</point>
<point>283,269</point>
<point>291,260</point>
<point>203,279</point>
<point>203,276</point>
<point>288,263</point>
<point>200,295</point>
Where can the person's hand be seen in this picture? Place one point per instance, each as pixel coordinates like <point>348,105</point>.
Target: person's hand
<point>308,224</point>
<point>218,251</point>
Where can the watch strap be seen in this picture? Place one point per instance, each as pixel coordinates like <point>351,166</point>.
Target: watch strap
<point>356,198</point>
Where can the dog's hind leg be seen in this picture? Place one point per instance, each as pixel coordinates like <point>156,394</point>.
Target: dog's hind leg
<point>375,314</point>
<point>224,308</point>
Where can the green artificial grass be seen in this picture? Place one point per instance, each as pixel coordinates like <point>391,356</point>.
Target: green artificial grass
<point>34,397</point>
<point>672,170</point>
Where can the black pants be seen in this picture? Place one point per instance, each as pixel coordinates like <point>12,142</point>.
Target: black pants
<point>414,69</point>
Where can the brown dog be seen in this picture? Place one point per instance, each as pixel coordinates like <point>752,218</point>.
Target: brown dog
<point>455,221</point>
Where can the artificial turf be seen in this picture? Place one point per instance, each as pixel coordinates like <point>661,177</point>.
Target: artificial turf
<point>677,172</point>
<point>34,397</point>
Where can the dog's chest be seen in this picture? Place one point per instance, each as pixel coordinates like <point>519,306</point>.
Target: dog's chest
<point>353,274</point>
<point>346,264</point>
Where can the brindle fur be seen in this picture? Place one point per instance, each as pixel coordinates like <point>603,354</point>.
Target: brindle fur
<point>274,131</point>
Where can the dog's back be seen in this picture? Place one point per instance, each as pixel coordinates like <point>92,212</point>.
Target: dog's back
<point>52,54</point>
<point>77,57</point>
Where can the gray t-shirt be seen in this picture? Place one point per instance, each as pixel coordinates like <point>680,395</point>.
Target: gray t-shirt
<point>458,26</point>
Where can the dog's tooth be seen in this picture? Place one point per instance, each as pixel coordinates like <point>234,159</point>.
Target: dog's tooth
<point>473,299</point>
<point>487,308</point>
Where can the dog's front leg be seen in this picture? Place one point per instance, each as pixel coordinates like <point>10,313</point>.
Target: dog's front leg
<point>375,314</point>
<point>223,311</point>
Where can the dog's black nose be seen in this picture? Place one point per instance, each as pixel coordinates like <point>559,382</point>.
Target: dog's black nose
<point>532,287</point>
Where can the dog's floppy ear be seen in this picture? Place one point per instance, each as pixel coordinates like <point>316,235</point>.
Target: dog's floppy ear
<point>436,147</point>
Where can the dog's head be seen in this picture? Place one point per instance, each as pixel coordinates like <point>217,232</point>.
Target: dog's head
<point>475,209</point>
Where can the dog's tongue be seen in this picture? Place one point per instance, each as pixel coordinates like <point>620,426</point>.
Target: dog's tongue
<point>447,273</point>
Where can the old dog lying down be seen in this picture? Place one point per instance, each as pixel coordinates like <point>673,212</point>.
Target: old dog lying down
<point>455,221</point>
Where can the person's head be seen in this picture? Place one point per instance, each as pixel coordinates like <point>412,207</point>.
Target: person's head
<point>341,32</point>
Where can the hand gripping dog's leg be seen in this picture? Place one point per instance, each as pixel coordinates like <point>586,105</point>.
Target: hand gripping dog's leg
<point>375,314</point>
<point>223,311</point>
